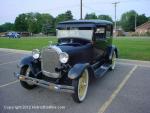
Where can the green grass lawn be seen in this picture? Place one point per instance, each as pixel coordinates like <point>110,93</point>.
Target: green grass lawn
<point>133,48</point>
<point>26,43</point>
<point>129,48</point>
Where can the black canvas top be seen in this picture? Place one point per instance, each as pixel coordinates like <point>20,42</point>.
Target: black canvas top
<point>86,21</point>
<point>83,23</point>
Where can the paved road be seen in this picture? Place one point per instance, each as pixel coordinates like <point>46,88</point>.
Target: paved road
<point>124,90</point>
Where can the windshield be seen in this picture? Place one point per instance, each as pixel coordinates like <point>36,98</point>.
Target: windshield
<point>76,33</point>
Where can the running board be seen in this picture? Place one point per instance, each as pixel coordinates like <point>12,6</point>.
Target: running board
<point>102,70</point>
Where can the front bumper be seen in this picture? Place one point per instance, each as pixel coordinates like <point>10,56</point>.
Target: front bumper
<point>49,85</point>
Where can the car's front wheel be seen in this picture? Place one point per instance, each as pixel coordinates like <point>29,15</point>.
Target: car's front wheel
<point>81,87</point>
<point>26,72</point>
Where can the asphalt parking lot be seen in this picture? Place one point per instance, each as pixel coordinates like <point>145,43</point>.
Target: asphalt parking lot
<point>124,90</point>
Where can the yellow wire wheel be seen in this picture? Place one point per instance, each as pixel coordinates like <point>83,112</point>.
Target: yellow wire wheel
<point>113,60</point>
<point>81,87</point>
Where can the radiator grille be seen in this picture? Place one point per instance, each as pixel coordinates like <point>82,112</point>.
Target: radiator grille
<point>49,61</point>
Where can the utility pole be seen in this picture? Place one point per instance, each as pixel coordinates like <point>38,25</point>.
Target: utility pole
<point>115,4</point>
<point>81,9</point>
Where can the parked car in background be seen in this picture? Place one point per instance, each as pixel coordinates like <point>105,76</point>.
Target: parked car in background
<point>84,50</point>
<point>13,35</point>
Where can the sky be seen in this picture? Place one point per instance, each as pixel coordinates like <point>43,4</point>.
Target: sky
<point>10,9</point>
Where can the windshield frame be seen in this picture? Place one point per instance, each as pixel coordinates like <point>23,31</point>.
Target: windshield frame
<point>75,32</point>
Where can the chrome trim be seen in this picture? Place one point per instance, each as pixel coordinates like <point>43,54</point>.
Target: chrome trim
<point>49,85</point>
<point>58,50</point>
<point>49,61</point>
<point>56,75</point>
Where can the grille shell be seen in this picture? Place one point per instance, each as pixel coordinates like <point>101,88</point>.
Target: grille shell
<point>49,61</point>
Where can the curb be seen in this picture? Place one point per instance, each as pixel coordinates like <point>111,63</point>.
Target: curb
<point>135,62</point>
<point>14,50</point>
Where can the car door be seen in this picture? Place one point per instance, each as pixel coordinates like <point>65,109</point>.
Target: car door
<point>102,39</point>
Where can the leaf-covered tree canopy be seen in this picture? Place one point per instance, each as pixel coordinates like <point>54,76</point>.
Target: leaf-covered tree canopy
<point>90,16</point>
<point>36,22</point>
<point>6,27</point>
<point>101,17</point>
<point>105,17</point>
<point>21,22</point>
<point>128,20</point>
<point>63,17</point>
<point>141,19</point>
<point>46,23</point>
<point>33,22</point>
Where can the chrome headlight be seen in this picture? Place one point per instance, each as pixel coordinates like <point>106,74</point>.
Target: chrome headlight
<point>63,57</point>
<point>36,53</point>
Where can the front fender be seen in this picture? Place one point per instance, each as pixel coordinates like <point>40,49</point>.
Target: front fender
<point>26,61</point>
<point>77,70</point>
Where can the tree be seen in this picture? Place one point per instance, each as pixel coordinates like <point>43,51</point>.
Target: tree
<point>69,15</point>
<point>141,19</point>
<point>33,22</point>
<point>21,23</point>
<point>47,23</point>
<point>128,20</point>
<point>36,22</point>
<point>63,17</point>
<point>1,29</point>
<point>47,28</point>
<point>90,16</point>
<point>6,27</point>
<point>105,17</point>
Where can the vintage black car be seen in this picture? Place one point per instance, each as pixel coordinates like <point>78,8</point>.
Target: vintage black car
<point>84,50</point>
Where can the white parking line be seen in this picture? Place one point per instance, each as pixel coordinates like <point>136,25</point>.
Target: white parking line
<point>104,107</point>
<point>10,83</point>
<point>8,62</point>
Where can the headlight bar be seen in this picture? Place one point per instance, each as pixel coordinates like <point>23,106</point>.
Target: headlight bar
<point>36,53</point>
<point>63,57</point>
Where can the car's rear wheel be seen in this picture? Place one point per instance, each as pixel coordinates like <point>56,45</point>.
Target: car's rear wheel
<point>81,87</point>
<point>113,61</point>
<point>26,72</point>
